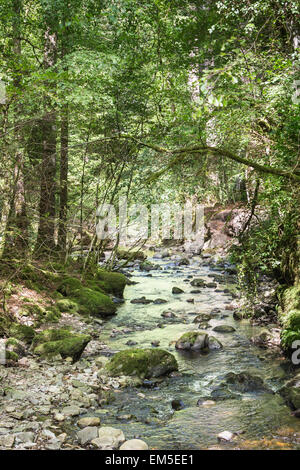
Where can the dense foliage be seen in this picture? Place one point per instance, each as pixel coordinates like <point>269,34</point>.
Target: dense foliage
<point>88,84</point>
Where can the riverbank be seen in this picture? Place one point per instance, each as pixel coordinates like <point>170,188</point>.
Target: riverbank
<point>43,401</point>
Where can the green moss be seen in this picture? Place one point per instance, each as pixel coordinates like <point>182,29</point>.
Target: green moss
<point>69,285</point>
<point>193,340</point>
<point>113,283</point>
<point>52,342</point>
<point>34,309</point>
<point>290,316</point>
<point>69,347</point>
<point>22,332</point>
<point>290,299</point>
<point>93,302</point>
<point>11,356</point>
<point>67,305</point>
<point>131,255</point>
<point>142,363</point>
<point>292,320</point>
<point>288,336</point>
<point>54,334</point>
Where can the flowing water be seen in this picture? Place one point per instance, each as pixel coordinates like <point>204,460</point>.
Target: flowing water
<point>147,412</point>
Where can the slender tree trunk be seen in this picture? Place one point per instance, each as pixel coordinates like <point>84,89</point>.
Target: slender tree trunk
<point>46,230</point>
<point>16,232</point>
<point>64,161</point>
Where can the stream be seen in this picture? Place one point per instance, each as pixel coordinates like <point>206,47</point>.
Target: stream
<point>146,411</point>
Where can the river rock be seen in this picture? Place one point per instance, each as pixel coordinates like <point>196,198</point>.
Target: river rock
<point>87,434</point>
<point>198,282</point>
<point>192,341</point>
<point>71,410</point>
<point>225,436</point>
<point>89,421</point>
<point>211,284</point>
<point>224,329</point>
<point>245,382</point>
<point>214,343</point>
<point>7,441</point>
<point>144,363</point>
<point>177,405</point>
<point>168,314</point>
<point>184,262</point>
<point>134,444</point>
<point>291,392</point>
<point>222,392</point>
<point>108,438</point>
<point>24,437</point>
<point>202,317</point>
<point>177,290</point>
<point>141,300</point>
<point>159,301</point>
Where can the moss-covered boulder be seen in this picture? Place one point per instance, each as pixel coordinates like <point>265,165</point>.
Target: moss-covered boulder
<point>50,343</point>
<point>67,305</point>
<point>131,255</point>
<point>93,302</point>
<point>22,332</point>
<point>192,341</point>
<point>112,283</point>
<point>291,392</point>
<point>289,313</point>
<point>144,363</point>
<point>69,285</point>
<point>15,346</point>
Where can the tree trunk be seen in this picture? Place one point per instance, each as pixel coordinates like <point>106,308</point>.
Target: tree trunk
<point>64,160</point>
<point>46,230</point>
<point>16,232</point>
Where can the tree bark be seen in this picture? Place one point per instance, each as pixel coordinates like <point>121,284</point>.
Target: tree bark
<point>16,231</point>
<point>46,230</point>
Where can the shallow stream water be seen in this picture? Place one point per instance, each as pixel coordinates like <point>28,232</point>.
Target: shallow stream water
<point>147,412</point>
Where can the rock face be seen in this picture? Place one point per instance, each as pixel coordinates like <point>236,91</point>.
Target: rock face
<point>291,392</point>
<point>144,363</point>
<point>192,341</point>
<point>50,343</point>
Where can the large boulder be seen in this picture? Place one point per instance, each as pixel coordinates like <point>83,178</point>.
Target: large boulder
<point>144,363</point>
<point>291,392</point>
<point>50,343</point>
<point>92,299</point>
<point>93,302</point>
<point>112,283</point>
<point>22,332</point>
<point>192,341</point>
